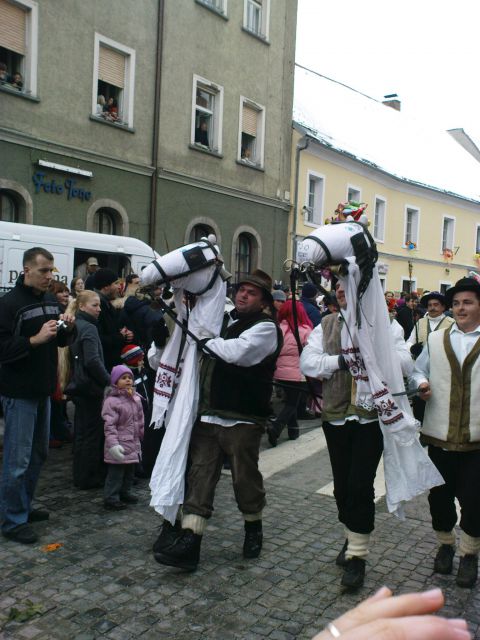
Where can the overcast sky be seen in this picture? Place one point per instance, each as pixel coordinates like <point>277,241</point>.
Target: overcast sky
<point>426,51</point>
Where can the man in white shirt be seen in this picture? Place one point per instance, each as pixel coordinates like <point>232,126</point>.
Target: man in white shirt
<point>234,404</point>
<point>446,376</point>
<point>353,435</point>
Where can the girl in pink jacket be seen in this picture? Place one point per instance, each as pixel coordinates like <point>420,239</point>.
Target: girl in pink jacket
<point>122,412</point>
<point>288,370</point>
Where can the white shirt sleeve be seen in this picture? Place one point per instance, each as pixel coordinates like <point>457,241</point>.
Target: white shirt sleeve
<point>314,362</point>
<point>250,348</point>
<point>402,348</point>
<point>154,356</point>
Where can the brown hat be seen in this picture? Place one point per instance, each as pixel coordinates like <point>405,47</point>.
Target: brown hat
<point>260,279</point>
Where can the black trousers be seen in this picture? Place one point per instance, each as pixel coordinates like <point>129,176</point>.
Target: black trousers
<point>355,450</point>
<point>288,414</point>
<point>88,467</point>
<point>461,472</point>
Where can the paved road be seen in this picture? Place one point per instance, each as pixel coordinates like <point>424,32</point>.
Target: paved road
<point>103,582</point>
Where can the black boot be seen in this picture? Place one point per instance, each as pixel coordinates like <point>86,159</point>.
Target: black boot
<point>444,559</point>
<point>354,573</point>
<point>293,433</point>
<point>184,553</point>
<point>467,571</point>
<point>340,560</point>
<point>252,545</point>
<point>168,534</point>
<point>273,432</point>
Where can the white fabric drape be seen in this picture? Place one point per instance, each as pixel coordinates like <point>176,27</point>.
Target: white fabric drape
<point>370,354</point>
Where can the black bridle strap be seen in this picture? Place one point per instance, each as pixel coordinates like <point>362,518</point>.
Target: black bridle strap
<point>324,247</point>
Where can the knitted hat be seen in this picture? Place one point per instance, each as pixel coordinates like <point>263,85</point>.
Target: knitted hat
<point>309,290</point>
<point>279,296</point>
<point>104,278</point>
<point>118,371</point>
<point>132,355</point>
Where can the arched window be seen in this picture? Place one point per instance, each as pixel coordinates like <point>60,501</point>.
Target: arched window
<point>243,263</point>
<point>200,231</point>
<point>9,209</point>
<point>106,221</point>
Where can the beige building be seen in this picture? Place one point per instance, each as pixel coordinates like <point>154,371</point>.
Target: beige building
<point>422,186</point>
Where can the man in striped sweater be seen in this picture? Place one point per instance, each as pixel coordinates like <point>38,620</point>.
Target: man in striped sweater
<point>446,375</point>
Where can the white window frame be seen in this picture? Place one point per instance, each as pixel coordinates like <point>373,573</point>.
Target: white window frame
<point>444,282</point>
<point>477,239</point>
<point>358,198</point>
<point>452,234</point>
<point>217,114</point>
<point>320,207</point>
<point>30,59</point>
<point>415,236</point>
<point>128,96</point>
<point>407,279</point>
<point>381,236</point>
<point>383,283</point>
<point>220,6</point>
<point>260,140</point>
<point>264,17</point>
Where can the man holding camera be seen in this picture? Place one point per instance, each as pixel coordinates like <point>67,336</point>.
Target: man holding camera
<point>30,333</point>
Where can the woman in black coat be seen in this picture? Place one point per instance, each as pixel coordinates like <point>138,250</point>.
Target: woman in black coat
<point>86,386</point>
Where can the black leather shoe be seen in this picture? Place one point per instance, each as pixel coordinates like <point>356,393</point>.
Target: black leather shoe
<point>340,560</point>
<point>272,436</point>
<point>38,515</point>
<point>114,505</point>
<point>293,434</point>
<point>252,544</point>
<point>354,573</point>
<point>128,498</point>
<point>467,571</point>
<point>23,534</point>
<point>184,553</point>
<point>168,535</point>
<point>444,559</point>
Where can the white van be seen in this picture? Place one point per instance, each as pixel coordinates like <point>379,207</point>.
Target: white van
<point>70,248</point>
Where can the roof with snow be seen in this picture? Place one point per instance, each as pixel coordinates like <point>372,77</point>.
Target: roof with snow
<point>361,127</point>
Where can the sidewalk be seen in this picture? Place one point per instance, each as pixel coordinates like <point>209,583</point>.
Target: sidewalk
<point>103,582</point>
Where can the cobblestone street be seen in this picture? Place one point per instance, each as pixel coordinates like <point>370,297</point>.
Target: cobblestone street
<point>102,582</point>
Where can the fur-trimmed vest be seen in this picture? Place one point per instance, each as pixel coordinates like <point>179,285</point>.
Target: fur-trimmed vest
<point>338,390</point>
<point>452,414</point>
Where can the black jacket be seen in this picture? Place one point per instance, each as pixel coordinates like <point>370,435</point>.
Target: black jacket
<point>26,371</point>
<point>138,316</point>
<point>109,331</point>
<point>88,349</point>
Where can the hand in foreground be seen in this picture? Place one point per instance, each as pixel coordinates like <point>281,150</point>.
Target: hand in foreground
<point>117,452</point>
<point>424,391</point>
<point>383,617</point>
<point>69,320</point>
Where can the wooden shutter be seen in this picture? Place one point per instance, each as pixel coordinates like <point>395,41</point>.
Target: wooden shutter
<point>111,67</point>
<point>249,121</point>
<point>12,27</point>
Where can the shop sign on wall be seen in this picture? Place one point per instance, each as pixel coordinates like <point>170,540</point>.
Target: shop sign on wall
<point>68,187</point>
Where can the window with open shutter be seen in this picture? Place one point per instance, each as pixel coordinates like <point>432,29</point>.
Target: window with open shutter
<point>249,121</point>
<point>12,27</point>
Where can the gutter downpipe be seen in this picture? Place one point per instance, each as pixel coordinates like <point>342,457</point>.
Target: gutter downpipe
<point>300,147</point>
<point>156,126</point>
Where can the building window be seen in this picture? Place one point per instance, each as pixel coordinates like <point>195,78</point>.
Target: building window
<point>379,220</point>
<point>255,17</point>
<point>314,209</point>
<point>113,81</point>
<point>444,286</point>
<point>411,226</point>
<point>477,241</point>
<point>408,285</point>
<point>448,231</point>
<point>18,45</point>
<point>9,210</point>
<point>200,231</point>
<point>243,263</point>
<point>383,283</point>
<point>216,5</point>
<point>354,194</point>
<point>106,221</point>
<point>252,132</point>
<point>207,113</point>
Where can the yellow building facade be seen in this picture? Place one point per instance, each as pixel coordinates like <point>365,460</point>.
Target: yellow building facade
<point>426,237</point>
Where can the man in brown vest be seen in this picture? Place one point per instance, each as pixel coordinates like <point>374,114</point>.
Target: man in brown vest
<point>235,392</point>
<point>446,376</point>
<point>353,435</point>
